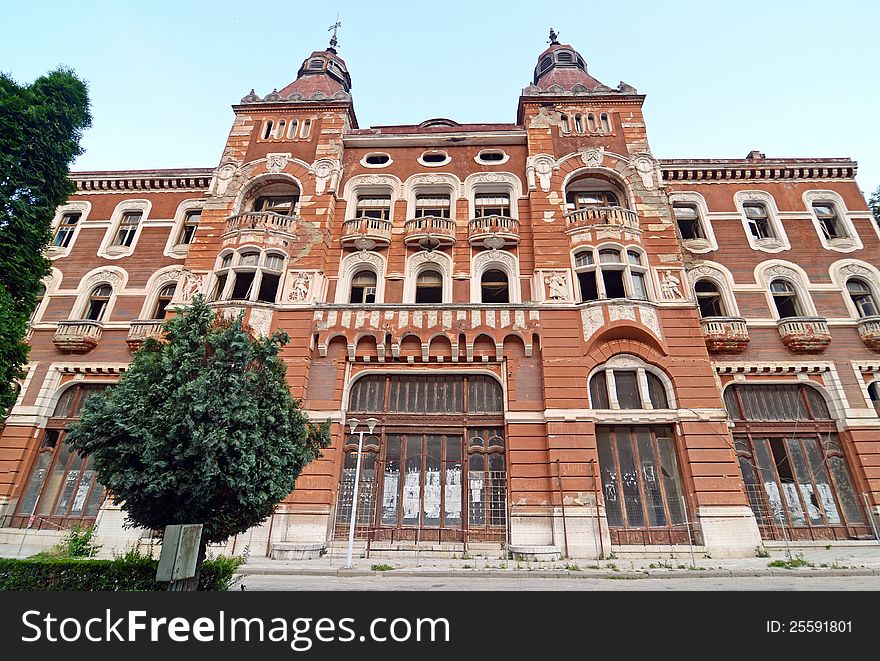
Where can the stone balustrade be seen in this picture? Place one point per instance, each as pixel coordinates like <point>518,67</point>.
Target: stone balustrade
<point>141,329</point>
<point>725,334</point>
<point>804,334</point>
<point>869,331</point>
<point>440,229</point>
<point>77,335</point>
<point>493,231</point>
<point>365,233</point>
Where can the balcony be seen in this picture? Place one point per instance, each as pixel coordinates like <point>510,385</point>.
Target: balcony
<point>869,331</point>
<point>141,329</point>
<point>366,233</point>
<point>804,334</point>
<point>430,230</point>
<point>493,231</point>
<point>590,216</point>
<point>725,334</point>
<point>261,221</point>
<point>77,335</point>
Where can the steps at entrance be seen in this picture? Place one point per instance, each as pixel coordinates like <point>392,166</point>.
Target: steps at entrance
<point>409,549</point>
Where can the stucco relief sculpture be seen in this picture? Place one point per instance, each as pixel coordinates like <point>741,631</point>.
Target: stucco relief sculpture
<point>276,162</point>
<point>558,287</point>
<point>299,293</point>
<point>670,287</point>
<point>192,285</point>
<point>540,170</point>
<point>327,172</point>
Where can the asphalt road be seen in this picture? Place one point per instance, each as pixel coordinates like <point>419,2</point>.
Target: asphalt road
<point>413,583</point>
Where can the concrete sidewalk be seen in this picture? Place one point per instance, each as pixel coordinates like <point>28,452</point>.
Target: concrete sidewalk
<point>813,561</point>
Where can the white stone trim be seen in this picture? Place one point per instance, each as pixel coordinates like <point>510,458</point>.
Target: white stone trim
<point>853,241</point>
<point>691,197</point>
<point>107,251</point>
<point>423,261</point>
<point>494,150</point>
<point>114,276</point>
<point>159,279</point>
<point>428,182</point>
<point>83,207</point>
<point>831,390</point>
<point>172,247</point>
<point>775,269</point>
<point>721,276</point>
<point>744,196</point>
<point>357,261</point>
<point>363,183</point>
<point>51,282</point>
<point>843,270</point>
<point>628,362</point>
<point>502,260</point>
<point>432,152</point>
<point>274,176</point>
<point>506,182</point>
<point>376,165</point>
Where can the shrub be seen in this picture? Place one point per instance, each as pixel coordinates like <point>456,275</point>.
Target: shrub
<point>132,572</point>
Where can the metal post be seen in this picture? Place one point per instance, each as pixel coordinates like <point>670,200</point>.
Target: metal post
<point>871,517</point>
<point>687,521</point>
<point>598,518</point>
<point>562,501</point>
<point>354,500</point>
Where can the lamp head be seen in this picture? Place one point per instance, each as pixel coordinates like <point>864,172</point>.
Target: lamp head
<point>352,424</point>
<point>371,424</point>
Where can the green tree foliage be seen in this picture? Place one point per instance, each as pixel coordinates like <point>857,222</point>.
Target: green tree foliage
<point>201,428</point>
<point>874,204</point>
<point>40,129</point>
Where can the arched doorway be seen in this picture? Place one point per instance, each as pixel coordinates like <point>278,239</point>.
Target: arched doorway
<point>434,470</point>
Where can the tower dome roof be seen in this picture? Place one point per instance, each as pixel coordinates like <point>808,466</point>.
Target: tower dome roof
<point>321,72</point>
<point>562,65</point>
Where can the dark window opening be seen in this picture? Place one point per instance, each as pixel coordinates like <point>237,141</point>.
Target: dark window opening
<point>599,391</point>
<point>829,221</point>
<point>862,297</point>
<point>241,288</point>
<point>688,220</point>
<point>494,287</point>
<point>65,230</point>
<point>437,206</point>
<point>589,288</point>
<point>429,287</point>
<point>492,156</point>
<point>759,221</point>
<point>709,299</point>
<point>492,204</point>
<point>98,301</point>
<point>613,281</point>
<point>434,158</point>
<point>374,206</point>
<point>363,288</point>
<point>165,297</point>
<point>268,288</point>
<point>785,298</point>
<point>377,159</point>
<point>281,204</point>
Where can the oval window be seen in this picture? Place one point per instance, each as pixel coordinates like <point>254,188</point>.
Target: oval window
<point>491,156</point>
<point>434,158</point>
<point>376,159</point>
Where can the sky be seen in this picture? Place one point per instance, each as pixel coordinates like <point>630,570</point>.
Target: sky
<point>789,78</point>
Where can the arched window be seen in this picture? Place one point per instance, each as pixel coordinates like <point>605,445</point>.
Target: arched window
<point>578,123</point>
<point>862,297</point>
<point>795,474</point>
<point>591,122</point>
<point>363,287</point>
<point>786,299</point>
<point>606,122</point>
<point>248,277</point>
<point>709,299</point>
<point>277,198</point>
<point>96,306</point>
<point>267,129</point>
<point>279,130</point>
<point>190,225</point>
<point>575,199</point>
<point>612,275</point>
<point>62,488</point>
<point>494,287</point>
<point>166,294</point>
<point>565,57</point>
<point>306,128</point>
<point>429,287</point>
<point>687,218</point>
<point>759,221</point>
<point>291,129</point>
<point>627,388</point>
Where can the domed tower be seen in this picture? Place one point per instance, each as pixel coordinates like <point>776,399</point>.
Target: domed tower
<point>562,66</point>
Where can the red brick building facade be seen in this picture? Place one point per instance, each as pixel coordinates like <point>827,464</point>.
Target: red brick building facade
<point>569,346</point>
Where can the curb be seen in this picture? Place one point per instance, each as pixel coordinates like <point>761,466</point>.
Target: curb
<point>551,573</point>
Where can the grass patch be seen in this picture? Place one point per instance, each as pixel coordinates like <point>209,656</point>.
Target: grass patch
<point>381,567</point>
<point>791,562</point>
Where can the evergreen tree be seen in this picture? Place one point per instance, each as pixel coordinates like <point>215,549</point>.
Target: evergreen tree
<point>40,129</point>
<point>200,429</point>
<point>874,205</point>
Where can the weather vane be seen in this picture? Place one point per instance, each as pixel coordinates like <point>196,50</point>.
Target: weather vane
<point>553,36</point>
<point>334,27</point>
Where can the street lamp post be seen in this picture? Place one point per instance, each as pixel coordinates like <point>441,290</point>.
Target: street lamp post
<point>352,424</point>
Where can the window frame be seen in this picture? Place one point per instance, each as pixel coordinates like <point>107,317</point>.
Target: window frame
<point>850,239</point>
<point>109,249</point>
<point>228,274</point>
<point>779,241</point>
<point>624,265</point>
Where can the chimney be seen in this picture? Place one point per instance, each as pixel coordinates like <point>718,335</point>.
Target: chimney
<point>755,155</point>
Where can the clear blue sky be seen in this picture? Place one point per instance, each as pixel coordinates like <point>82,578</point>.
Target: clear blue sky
<point>791,78</point>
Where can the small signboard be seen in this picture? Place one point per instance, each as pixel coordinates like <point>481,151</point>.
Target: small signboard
<point>180,552</point>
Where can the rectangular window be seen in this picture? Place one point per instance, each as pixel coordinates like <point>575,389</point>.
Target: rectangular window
<point>190,224</point>
<point>581,199</point>
<point>493,204</point>
<point>688,220</point>
<point>241,289</point>
<point>829,221</point>
<point>374,206</point>
<point>127,228</point>
<point>283,204</point>
<point>221,285</point>
<point>638,285</point>
<point>759,221</point>
<point>432,205</point>
<point>613,280</point>
<point>589,290</point>
<point>627,388</point>
<point>65,230</point>
<point>268,288</point>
